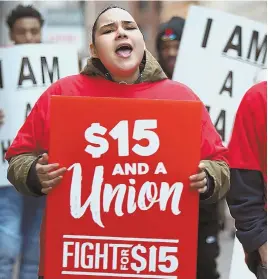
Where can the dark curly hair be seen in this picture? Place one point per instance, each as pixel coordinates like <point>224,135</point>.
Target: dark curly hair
<point>94,28</point>
<point>23,11</point>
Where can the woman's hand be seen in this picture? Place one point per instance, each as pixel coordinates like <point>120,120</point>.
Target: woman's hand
<point>199,180</point>
<point>49,174</point>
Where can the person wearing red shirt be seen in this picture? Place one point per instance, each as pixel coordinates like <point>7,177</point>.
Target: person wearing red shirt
<point>248,161</point>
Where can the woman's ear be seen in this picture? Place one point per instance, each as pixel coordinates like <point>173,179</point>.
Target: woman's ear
<point>93,51</point>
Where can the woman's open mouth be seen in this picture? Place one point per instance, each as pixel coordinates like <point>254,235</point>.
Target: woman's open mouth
<point>124,50</point>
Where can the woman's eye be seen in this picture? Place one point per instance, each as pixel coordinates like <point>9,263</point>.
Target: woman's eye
<point>131,28</point>
<point>107,31</point>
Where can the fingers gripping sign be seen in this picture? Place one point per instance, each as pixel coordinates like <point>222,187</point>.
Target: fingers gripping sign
<point>199,181</point>
<point>49,175</point>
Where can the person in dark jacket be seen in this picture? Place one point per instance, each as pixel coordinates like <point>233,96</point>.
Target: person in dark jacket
<point>167,45</point>
<point>247,198</point>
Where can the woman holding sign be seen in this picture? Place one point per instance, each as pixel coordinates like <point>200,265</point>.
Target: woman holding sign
<point>120,67</point>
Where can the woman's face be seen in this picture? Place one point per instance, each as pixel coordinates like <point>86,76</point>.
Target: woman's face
<point>119,44</point>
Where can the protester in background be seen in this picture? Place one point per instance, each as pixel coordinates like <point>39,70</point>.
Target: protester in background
<point>20,217</point>
<point>210,216</point>
<point>25,25</point>
<point>247,198</point>
<point>121,63</point>
<point>168,42</point>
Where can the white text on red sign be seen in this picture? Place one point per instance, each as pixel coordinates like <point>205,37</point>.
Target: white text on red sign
<point>123,257</point>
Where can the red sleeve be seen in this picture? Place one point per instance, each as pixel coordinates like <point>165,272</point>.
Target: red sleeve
<point>247,148</point>
<point>211,143</point>
<point>33,135</point>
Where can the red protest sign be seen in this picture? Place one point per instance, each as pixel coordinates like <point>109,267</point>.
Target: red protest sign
<point>124,208</point>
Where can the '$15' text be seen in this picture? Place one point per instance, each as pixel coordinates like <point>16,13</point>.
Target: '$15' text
<point>142,130</point>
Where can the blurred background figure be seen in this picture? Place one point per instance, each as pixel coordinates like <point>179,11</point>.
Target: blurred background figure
<point>168,42</point>
<point>20,217</point>
<point>25,25</point>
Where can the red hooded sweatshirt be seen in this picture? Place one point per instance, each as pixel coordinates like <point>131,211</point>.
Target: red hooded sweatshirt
<point>33,137</point>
